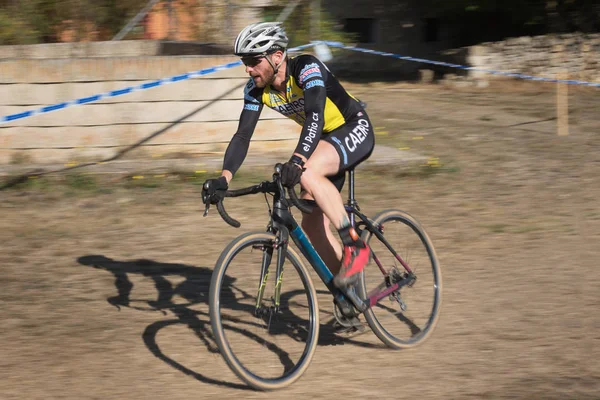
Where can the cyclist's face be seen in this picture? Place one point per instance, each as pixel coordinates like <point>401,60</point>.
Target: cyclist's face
<point>259,69</point>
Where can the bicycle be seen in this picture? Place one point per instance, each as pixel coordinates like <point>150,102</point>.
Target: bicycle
<point>300,329</point>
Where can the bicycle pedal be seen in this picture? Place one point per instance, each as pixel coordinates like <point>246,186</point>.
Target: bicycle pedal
<point>353,296</point>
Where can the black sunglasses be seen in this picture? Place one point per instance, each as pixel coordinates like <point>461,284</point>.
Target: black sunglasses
<point>252,61</point>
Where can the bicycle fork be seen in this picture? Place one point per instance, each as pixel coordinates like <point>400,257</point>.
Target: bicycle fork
<point>279,244</point>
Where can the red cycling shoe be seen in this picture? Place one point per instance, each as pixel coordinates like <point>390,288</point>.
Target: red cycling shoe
<point>354,260</point>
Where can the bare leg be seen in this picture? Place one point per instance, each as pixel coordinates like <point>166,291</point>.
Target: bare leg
<point>324,162</point>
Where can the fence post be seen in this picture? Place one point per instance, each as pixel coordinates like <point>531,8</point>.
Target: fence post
<point>562,105</point>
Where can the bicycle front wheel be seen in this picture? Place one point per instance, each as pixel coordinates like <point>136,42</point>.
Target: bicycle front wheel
<point>412,311</point>
<point>267,345</point>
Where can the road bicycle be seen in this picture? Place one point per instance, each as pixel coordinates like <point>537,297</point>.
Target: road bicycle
<point>266,323</point>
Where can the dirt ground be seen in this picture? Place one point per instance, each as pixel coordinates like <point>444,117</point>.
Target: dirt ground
<point>104,283</point>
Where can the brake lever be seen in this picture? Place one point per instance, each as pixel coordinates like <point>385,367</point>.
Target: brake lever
<point>205,187</point>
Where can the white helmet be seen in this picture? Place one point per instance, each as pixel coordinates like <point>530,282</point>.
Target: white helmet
<point>261,38</point>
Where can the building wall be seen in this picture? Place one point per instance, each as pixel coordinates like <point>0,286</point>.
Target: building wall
<point>188,18</point>
<point>213,21</point>
<point>399,27</point>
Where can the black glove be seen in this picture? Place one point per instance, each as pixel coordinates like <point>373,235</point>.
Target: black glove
<point>291,172</point>
<point>213,190</point>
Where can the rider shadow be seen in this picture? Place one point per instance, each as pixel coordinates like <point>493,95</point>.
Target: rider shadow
<point>194,289</point>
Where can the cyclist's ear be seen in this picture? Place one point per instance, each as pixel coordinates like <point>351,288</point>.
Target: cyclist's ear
<point>277,57</point>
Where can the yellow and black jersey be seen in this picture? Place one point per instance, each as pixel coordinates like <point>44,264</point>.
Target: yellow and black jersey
<point>314,98</point>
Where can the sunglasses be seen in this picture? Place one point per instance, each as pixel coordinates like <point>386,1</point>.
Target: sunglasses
<point>252,61</point>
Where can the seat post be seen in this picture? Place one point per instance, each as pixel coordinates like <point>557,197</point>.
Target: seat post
<point>351,199</point>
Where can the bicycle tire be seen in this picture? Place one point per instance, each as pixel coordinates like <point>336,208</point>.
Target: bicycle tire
<point>420,334</point>
<point>218,276</point>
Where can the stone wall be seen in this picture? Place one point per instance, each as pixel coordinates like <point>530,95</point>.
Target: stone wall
<point>544,56</point>
<point>577,55</point>
<point>192,116</point>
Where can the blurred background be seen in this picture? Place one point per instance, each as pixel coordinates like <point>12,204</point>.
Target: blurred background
<point>441,30</point>
<point>58,51</point>
<point>105,258</point>
<point>433,23</point>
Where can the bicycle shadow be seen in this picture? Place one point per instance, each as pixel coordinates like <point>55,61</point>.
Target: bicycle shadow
<point>194,289</point>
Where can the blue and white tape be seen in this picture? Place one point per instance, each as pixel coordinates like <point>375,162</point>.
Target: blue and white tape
<point>127,90</point>
<point>458,66</point>
<point>195,74</point>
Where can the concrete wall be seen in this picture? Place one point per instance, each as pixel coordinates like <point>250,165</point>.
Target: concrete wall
<point>127,48</point>
<point>98,130</point>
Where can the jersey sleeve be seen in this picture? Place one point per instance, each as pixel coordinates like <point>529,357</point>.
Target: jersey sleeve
<point>311,76</point>
<point>240,142</point>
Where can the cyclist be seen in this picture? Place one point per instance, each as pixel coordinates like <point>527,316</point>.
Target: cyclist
<point>336,136</point>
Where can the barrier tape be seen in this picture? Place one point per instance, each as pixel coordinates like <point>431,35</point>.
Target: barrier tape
<point>127,90</point>
<point>458,66</point>
<point>195,74</point>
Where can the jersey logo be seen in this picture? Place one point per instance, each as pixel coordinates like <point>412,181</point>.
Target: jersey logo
<point>275,99</point>
<point>311,70</point>
<point>291,108</point>
<point>358,135</point>
<point>251,107</point>
<point>249,87</point>
<point>316,82</point>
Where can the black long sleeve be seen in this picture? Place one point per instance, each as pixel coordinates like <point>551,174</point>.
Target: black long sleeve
<point>240,142</point>
<point>314,107</point>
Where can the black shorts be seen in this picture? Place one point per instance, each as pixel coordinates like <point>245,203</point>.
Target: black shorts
<point>354,143</point>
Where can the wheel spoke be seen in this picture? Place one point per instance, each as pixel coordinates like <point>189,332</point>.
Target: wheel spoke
<point>415,304</point>
<point>267,347</point>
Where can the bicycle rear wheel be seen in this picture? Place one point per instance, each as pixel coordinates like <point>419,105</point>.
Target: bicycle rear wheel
<point>414,309</point>
<point>266,349</point>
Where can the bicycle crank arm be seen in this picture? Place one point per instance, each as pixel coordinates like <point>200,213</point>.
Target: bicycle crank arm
<point>353,297</point>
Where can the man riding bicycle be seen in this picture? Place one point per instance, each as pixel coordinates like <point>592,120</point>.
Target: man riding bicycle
<point>336,136</point>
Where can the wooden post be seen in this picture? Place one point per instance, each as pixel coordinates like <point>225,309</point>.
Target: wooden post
<point>562,105</point>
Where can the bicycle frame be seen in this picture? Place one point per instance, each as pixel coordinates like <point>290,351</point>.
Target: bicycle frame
<point>276,310</point>
<point>284,225</point>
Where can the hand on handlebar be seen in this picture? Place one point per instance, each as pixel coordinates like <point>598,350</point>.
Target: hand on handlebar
<point>213,190</point>
<point>291,172</point>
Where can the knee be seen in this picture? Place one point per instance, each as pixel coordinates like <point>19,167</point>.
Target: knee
<point>310,177</point>
<point>305,183</point>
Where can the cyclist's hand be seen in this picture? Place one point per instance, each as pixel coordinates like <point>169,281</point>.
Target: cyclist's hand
<point>291,173</point>
<point>213,190</point>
